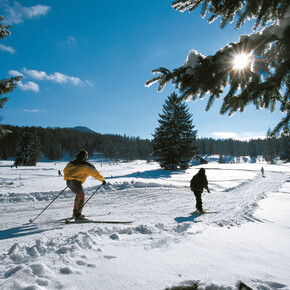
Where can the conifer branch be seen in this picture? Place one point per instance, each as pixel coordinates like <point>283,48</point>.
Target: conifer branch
<point>263,83</point>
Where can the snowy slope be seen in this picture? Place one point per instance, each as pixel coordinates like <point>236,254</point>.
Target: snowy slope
<point>248,239</point>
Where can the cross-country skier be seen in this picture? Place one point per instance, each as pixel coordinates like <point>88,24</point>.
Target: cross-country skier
<point>75,174</point>
<point>262,171</point>
<point>197,184</point>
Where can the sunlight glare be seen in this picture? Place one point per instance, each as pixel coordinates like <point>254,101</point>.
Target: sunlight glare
<point>241,61</point>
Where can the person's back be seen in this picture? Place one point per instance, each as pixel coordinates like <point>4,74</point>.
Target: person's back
<point>79,169</point>
<point>199,181</point>
<point>197,184</point>
<point>75,173</point>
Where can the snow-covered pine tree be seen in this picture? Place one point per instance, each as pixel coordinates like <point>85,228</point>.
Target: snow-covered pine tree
<point>174,139</point>
<point>264,81</point>
<point>28,149</point>
<point>6,85</point>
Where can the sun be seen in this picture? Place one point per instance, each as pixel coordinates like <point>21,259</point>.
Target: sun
<point>241,61</point>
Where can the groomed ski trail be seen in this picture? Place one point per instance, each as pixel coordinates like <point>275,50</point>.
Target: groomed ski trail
<point>239,203</point>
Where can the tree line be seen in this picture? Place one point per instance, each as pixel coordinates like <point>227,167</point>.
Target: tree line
<point>269,148</point>
<point>52,143</point>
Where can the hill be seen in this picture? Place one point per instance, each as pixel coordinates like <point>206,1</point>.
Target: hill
<point>83,129</point>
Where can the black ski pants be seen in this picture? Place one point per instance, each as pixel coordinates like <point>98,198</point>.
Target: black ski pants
<point>197,194</point>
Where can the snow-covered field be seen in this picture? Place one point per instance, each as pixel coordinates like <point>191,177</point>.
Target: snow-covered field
<point>247,239</point>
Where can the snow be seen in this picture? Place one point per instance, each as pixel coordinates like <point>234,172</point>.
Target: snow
<point>277,29</point>
<point>247,239</point>
<point>192,60</point>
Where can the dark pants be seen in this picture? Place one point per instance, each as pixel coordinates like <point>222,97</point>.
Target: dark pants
<point>197,194</point>
<point>76,187</point>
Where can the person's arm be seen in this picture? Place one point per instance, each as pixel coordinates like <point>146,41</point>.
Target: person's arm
<point>206,185</point>
<point>94,173</point>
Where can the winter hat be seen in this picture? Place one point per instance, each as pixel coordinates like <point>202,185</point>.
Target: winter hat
<point>81,155</point>
<point>201,171</point>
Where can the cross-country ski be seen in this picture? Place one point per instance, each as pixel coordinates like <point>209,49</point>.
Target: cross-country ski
<point>202,212</point>
<point>84,221</point>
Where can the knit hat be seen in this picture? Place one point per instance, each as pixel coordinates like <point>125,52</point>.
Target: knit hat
<point>81,155</point>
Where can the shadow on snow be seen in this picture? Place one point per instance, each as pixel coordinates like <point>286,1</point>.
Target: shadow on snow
<point>20,231</point>
<point>190,218</point>
<point>157,173</point>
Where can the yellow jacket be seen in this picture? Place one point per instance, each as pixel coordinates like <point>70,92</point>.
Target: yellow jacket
<point>81,172</point>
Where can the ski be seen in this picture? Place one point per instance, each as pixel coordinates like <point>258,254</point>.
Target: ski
<point>68,218</point>
<point>87,221</point>
<point>206,212</point>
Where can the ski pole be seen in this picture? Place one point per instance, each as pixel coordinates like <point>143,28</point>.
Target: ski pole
<point>32,220</point>
<point>68,220</point>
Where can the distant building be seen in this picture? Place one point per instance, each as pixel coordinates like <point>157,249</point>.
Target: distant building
<point>199,160</point>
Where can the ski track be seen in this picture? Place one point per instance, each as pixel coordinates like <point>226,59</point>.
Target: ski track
<point>22,265</point>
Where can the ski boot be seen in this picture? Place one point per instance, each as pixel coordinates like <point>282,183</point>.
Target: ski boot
<point>78,216</point>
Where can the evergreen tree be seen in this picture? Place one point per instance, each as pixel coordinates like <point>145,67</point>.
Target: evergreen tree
<point>264,81</point>
<point>6,85</point>
<point>4,154</point>
<point>28,149</point>
<point>269,148</point>
<point>174,139</point>
<point>201,146</point>
<point>285,148</point>
<point>53,150</point>
<point>252,149</point>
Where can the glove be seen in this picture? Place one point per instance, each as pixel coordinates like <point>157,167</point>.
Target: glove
<point>208,191</point>
<point>104,182</point>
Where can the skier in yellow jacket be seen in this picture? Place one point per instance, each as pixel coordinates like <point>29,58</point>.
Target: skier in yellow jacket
<point>75,173</point>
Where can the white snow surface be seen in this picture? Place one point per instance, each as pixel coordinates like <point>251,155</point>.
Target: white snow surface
<point>247,239</point>
<point>192,59</point>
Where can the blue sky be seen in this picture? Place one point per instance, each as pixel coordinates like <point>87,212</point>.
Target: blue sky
<point>86,63</point>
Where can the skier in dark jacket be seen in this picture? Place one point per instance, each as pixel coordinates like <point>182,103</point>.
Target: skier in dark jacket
<point>197,184</point>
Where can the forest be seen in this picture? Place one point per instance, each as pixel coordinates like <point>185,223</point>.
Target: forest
<point>54,142</point>
<point>270,148</point>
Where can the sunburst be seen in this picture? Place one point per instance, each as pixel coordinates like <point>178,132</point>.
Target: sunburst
<point>241,61</point>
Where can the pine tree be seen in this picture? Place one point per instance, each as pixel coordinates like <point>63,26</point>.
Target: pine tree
<point>269,148</point>
<point>28,149</point>
<point>4,154</point>
<point>252,149</point>
<point>174,139</point>
<point>285,148</point>
<point>53,150</point>
<point>6,85</point>
<point>264,82</point>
